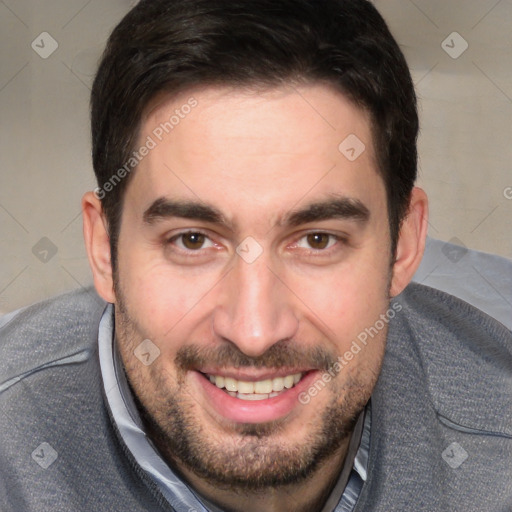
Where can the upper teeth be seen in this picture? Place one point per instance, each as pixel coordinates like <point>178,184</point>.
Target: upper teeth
<point>260,387</point>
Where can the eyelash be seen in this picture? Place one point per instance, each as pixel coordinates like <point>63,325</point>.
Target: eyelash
<point>313,252</point>
<point>172,240</point>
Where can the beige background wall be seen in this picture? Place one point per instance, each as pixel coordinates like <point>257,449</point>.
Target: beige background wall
<point>465,145</point>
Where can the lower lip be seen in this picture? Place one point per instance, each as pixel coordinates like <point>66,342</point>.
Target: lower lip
<point>254,411</point>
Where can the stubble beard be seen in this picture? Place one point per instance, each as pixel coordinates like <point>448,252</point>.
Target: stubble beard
<point>252,457</point>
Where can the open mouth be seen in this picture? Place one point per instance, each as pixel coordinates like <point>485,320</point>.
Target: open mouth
<point>257,390</point>
<point>249,395</point>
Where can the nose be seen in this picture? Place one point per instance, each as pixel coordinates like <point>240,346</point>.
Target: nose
<point>255,308</point>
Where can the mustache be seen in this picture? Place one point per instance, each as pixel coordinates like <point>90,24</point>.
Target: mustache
<point>281,354</point>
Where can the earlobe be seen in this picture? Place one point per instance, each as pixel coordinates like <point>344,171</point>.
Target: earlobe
<point>411,242</point>
<point>97,244</point>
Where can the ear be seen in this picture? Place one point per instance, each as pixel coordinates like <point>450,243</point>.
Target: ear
<point>97,243</point>
<point>411,242</point>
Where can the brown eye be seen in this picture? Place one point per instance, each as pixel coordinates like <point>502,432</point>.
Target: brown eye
<point>193,241</point>
<point>318,240</point>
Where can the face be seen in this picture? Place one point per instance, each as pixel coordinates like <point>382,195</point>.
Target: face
<point>252,253</point>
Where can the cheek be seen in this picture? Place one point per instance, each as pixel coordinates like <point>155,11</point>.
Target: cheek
<point>165,302</point>
<point>347,300</point>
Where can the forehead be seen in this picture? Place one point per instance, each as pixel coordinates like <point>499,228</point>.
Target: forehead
<point>314,110</point>
<point>262,144</point>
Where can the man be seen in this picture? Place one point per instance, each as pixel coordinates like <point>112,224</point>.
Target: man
<point>254,232</point>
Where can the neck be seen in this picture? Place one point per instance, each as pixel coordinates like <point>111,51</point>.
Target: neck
<point>307,496</point>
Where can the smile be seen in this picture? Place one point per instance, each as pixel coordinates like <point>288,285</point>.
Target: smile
<point>258,390</point>
<point>252,395</point>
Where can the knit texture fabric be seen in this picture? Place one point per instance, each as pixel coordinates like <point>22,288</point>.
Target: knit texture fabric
<point>441,435</point>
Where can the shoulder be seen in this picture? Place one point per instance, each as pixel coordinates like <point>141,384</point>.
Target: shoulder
<point>441,411</point>
<point>460,354</point>
<point>58,330</point>
<point>57,433</point>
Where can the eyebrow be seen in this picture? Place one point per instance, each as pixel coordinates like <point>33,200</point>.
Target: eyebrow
<point>164,208</point>
<point>337,208</point>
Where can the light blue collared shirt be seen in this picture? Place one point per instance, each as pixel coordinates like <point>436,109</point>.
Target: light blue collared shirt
<point>343,498</point>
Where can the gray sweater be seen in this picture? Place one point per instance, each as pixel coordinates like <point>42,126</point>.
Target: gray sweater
<point>441,436</point>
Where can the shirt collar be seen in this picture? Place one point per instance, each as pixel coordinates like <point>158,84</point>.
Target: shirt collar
<point>129,424</point>
<point>176,491</point>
